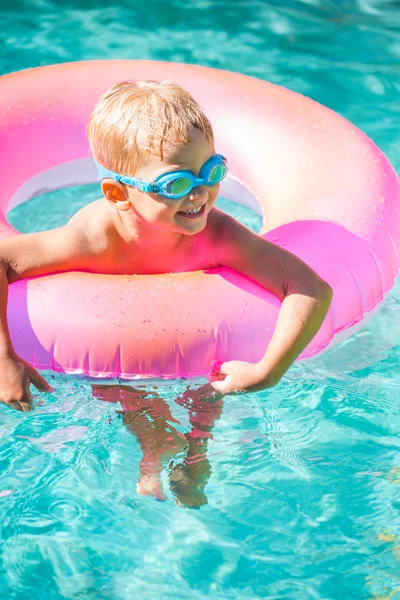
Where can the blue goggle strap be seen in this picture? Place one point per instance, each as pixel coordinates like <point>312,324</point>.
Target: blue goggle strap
<point>132,181</point>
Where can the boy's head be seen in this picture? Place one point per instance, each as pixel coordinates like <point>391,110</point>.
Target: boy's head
<point>145,130</point>
<point>134,120</point>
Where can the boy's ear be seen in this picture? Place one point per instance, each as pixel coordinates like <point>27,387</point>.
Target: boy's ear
<point>115,193</point>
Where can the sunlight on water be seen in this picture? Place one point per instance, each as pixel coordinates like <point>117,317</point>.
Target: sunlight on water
<point>301,482</point>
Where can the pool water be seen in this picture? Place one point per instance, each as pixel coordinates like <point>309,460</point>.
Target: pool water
<point>302,482</point>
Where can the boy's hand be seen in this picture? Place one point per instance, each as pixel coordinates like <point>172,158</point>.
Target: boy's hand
<point>238,376</point>
<point>15,377</point>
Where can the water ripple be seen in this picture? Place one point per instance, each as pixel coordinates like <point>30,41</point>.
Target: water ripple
<point>301,482</point>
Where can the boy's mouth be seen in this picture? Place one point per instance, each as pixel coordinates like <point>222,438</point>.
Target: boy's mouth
<point>193,213</point>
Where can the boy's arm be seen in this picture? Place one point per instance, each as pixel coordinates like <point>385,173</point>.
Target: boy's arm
<point>27,256</point>
<point>305,301</point>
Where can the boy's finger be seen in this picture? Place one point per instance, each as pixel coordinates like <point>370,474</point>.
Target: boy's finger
<point>219,386</point>
<point>39,382</point>
<point>26,406</point>
<point>15,405</point>
<point>21,406</point>
<point>216,374</point>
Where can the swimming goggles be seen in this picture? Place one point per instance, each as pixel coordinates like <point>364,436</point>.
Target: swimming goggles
<point>175,184</point>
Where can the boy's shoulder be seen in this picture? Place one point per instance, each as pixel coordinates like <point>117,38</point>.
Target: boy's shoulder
<point>218,220</point>
<point>232,242</point>
<point>224,228</point>
<point>95,221</point>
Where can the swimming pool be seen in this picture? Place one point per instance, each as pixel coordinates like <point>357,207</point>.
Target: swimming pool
<point>303,496</point>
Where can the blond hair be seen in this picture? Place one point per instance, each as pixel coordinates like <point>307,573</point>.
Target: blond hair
<point>135,119</point>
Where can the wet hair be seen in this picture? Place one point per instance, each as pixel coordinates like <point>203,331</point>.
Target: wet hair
<point>136,118</point>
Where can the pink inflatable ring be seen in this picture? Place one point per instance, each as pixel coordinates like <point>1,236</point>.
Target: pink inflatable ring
<point>326,192</point>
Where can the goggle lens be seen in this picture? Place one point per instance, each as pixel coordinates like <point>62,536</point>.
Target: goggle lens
<point>217,174</point>
<point>179,186</point>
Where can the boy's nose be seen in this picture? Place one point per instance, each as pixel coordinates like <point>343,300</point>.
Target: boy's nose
<point>198,192</point>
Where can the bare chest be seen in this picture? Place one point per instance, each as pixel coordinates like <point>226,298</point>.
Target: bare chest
<point>188,257</point>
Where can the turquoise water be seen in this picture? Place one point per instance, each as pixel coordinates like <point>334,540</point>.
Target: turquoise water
<point>303,481</point>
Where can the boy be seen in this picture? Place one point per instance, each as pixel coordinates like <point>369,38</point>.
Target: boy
<point>138,133</point>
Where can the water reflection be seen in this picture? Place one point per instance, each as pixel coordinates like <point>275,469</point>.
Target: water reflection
<point>148,417</point>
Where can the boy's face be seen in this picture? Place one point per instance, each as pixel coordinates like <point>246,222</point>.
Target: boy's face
<point>170,214</point>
